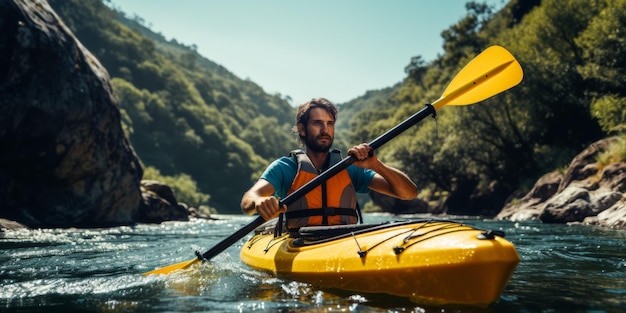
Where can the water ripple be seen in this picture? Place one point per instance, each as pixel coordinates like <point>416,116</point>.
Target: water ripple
<point>563,268</point>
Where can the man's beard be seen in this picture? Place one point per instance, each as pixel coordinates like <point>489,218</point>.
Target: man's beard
<point>311,143</point>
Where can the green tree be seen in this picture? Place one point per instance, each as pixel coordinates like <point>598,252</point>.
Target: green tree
<point>517,136</point>
<point>603,46</point>
<point>268,144</point>
<point>610,111</point>
<point>462,39</point>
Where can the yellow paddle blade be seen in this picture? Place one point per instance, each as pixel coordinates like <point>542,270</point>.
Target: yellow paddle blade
<point>489,73</point>
<point>170,268</point>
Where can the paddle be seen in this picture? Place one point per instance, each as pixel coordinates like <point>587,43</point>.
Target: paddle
<point>488,74</point>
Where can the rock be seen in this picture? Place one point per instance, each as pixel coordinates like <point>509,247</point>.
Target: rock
<point>202,212</point>
<point>613,217</point>
<point>10,225</point>
<point>531,205</point>
<point>159,204</point>
<point>584,166</point>
<point>587,193</point>
<point>162,190</point>
<point>65,161</point>
<point>613,177</point>
<point>571,205</point>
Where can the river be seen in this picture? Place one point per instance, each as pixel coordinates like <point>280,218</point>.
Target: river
<point>564,268</point>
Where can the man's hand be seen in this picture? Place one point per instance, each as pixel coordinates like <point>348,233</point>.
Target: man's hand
<point>268,207</point>
<point>362,154</point>
<point>387,180</point>
<point>258,199</point>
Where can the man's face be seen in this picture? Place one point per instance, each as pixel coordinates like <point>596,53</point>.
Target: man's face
<point>320,131</point>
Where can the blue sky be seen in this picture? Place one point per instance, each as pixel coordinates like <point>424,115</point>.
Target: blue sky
<point>337,49</point>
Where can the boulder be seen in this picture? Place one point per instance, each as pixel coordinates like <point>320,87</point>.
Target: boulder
<point>65,160</point>
<point>574,204</point>
<point>10,225</point>
<point>159,203</point>
<point>613,217</point>
<point>613,177</point>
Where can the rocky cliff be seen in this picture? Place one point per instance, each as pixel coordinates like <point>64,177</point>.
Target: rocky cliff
<point>586,192</point>
<point>64,158</point>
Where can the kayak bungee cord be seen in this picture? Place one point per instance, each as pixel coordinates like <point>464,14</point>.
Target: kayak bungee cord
<point>274,242</point>
<point>428,223</point>
<point>449,224</point>
<point>362,253</point>
<point>430,227</point>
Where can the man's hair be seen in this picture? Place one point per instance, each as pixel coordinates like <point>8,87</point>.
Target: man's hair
<point>304,111</point>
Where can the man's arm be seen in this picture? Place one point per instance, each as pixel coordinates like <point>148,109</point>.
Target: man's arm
<point>387,180</point>
<point>392,182</point>
<point>259,199</point>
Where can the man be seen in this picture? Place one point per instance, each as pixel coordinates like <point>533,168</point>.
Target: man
<point>334,202</point>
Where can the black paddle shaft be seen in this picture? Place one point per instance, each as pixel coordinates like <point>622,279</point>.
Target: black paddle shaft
<point>318,180</point>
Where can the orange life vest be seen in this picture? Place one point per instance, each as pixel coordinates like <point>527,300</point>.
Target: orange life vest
<point>331,203</point>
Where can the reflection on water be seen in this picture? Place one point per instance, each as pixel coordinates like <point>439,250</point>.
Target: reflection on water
<point>563,269</point>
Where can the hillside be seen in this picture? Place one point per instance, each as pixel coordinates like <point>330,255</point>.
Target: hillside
<point>187,115</point>
<point>184,114</point>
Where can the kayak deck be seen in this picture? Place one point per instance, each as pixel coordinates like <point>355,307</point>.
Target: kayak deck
<point>427,261</point>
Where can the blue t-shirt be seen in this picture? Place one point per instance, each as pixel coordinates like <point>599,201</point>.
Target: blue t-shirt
<point>282,172</point>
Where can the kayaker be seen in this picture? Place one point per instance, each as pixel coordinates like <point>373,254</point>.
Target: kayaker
<point>334,202</point>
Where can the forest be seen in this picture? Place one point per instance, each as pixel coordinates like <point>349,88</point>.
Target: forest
<point>572,53</point>
<point>209,134</point>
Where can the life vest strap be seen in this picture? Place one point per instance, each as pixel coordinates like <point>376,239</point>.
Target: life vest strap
<point>321,212</point>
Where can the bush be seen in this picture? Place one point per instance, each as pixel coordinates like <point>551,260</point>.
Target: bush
<point>610,111</point>
<point>184,187</point>
<point>616,152</point>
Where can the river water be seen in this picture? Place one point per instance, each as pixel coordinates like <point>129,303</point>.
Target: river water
<point>573,268</point>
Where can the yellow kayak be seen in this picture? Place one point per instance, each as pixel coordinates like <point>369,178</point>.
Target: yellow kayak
<point>427,261</point>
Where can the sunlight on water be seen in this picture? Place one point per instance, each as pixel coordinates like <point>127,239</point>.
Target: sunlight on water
<point>563,268</point>
<point>68,286</point>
